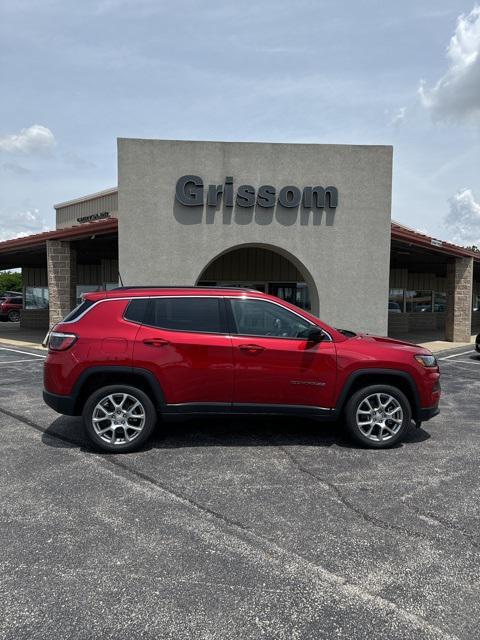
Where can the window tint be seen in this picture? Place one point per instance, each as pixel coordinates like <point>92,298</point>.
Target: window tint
<point>186,314</point>
<point>261,318</point>
<point>17,301</point>
<point>73,315</point>
<point>136,310</point>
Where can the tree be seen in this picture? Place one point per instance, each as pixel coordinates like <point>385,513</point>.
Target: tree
<point>10,281</point>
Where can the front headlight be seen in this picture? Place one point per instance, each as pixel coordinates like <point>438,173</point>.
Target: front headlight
<point>426,360</point>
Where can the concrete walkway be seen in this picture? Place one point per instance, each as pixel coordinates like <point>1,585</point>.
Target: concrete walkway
<point>434,341</point>
<point>11,333</point>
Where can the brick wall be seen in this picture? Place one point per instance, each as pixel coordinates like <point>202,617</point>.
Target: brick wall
<point>458,320</point>
<point>61,266</point>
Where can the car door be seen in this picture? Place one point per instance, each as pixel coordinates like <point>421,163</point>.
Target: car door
<point>185,343</point>
<point>275,363</point>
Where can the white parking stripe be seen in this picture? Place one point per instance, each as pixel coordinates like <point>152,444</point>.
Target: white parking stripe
<point>15,361</point>
<point>455,355</point>
<point>27,353</point>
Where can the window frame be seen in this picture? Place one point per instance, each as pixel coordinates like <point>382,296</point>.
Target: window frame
<point>221,308</point>
<point>232,324</point>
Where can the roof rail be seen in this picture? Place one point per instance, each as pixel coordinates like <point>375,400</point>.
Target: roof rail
<point>180,286</point>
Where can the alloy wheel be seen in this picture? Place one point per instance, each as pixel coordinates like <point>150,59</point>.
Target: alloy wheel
<point>118,418</point>
<point>379,417</point>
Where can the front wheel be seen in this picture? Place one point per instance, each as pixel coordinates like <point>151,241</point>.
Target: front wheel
<point>119,418</point>
<point>378,416</point>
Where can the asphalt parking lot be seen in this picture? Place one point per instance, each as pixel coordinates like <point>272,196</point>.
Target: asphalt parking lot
<point>238,528</point>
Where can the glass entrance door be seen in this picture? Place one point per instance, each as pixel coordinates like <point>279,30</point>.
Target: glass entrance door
<point>285,291</point>
<point>294,292</point>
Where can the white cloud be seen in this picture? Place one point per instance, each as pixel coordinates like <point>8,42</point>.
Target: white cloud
<point>21,224</point>
<point>463,219</point>
<point>456,96</point>
<point>398,117</point>
<point>29,140</point>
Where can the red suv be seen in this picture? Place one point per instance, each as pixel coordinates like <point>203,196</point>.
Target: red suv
<point>10,307</point>
<point>123,358</point>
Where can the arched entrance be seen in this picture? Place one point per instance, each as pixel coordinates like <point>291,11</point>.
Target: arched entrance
<point>268,269</point>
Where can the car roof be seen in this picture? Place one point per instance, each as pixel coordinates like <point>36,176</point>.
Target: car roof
<point>129,292</point>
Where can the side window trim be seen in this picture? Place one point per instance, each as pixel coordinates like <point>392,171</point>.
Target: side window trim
<point>147,320</point>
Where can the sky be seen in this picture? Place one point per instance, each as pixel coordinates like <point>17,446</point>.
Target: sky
<point>74,76</point>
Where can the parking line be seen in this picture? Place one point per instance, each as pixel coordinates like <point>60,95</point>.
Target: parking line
<point>455,355</point>
<point>15,361</point>
<point>24,352</point>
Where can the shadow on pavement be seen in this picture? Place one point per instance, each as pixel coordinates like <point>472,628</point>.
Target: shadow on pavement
<point>218,431</point>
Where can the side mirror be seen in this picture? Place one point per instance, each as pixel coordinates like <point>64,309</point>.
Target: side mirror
<point>316,335</point>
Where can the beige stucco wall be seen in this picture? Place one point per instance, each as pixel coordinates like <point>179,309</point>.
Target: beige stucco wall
<point>344,253</point>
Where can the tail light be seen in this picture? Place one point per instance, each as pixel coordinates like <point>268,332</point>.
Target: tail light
<point>61,341</point>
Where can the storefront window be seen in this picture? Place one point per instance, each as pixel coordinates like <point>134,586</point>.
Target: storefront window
<point>418,301</point>
<point>395,301</point>
<point>476,301</point>
<point>36,298</point>
<point>440,301</point>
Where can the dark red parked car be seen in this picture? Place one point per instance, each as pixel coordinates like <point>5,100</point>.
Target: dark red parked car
<point>10,307</point>
<point>125,357</point>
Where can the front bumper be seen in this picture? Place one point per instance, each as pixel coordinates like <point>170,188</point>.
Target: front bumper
<point>59,403</point>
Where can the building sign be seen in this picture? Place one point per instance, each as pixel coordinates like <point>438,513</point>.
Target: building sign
<point>94,216</point>
<point>190,191</point>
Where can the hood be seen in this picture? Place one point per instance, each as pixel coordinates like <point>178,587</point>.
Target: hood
<point>391,342</point>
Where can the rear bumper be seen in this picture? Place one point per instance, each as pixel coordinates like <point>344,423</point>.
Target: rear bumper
<point>428,413</point>
<point>60,404</point>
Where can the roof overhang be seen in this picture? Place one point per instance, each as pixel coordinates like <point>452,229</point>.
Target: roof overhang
<point>31,250</point>
<point>417,239</point>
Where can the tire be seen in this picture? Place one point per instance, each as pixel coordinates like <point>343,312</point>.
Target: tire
<point>119,432</point>
<point>367,410</point>
<point>14,316</point>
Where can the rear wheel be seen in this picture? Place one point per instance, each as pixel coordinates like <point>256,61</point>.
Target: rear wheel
<point>378,416</point>
<point>119,418</point>
<point>14,315</point>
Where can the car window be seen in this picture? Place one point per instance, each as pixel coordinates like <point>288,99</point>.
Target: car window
<point>79,309</point>
<point>262,318</point>
<point>17,301</point>
<point>186,314</point>
<point>136,310</point>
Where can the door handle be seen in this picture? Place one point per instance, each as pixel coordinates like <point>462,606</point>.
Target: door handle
<point>251,348</point>
<point>156,342</point>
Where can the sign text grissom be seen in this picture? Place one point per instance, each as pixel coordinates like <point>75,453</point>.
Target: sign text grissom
<point>190,191</point>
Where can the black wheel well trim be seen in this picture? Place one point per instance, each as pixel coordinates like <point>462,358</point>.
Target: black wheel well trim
<point>148,376</point>
<point>376,372</point>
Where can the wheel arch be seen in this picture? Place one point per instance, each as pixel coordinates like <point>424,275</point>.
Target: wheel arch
<point>366,377</point>
<point>95,377</point>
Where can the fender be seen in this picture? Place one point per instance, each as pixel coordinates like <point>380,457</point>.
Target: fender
<point>144,373</point>
<point>379,372</point>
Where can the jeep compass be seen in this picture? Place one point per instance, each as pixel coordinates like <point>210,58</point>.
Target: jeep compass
<point>124,358</point>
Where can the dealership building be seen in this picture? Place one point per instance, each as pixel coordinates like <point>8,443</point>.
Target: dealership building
<point>310,223</point>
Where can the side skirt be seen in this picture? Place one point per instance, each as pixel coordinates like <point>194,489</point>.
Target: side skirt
<point>249,409</point>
